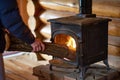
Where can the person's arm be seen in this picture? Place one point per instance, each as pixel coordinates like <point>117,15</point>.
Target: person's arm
<point>11,19</point>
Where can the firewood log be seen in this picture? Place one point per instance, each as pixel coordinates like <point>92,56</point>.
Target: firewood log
<point>53,49</point>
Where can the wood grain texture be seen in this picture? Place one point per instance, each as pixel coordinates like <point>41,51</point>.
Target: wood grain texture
<point>17,65</point>
<point>100,7</point>
<point>114,40</point>
<point>34,22</point>
<point>33,8</point>
<point>20,67</point>
<point>109,8</point>
<point>114,27</point>
<point>58,5</point>
<point>50,14</point>
<point>114,50</point>
<point>35,25</point>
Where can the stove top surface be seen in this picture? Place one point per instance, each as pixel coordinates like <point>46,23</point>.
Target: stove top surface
<point>76,20</point>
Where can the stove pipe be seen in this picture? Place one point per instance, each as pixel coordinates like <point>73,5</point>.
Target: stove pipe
<point>85,8</point>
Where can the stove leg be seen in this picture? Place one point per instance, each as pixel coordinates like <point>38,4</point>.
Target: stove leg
<point>82,74</point>
<point>106,63</point>
<point>50,67</point>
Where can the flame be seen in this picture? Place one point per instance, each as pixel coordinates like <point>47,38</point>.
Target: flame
<point>66,40</point>
<point>71,43</point>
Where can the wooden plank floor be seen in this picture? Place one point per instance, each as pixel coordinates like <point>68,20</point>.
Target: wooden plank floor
<point>20,67</point>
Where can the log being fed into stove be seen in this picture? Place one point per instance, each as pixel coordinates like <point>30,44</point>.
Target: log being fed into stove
<point>53,49</point>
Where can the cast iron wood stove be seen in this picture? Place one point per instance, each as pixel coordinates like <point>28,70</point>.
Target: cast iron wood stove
<point>89,34</point>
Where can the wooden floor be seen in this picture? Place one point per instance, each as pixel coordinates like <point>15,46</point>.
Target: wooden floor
<point>20,67</point>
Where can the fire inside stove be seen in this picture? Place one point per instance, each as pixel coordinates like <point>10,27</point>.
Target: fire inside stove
<point>67,40</point>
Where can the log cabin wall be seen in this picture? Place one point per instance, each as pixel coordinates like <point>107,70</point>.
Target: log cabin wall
<point>40,11</point>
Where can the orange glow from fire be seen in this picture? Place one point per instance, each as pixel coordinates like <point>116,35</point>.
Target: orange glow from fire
<point>71,43</point>
<point>66,40</point>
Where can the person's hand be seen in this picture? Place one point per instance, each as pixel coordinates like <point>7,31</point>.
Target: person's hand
<point>37,45</point>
